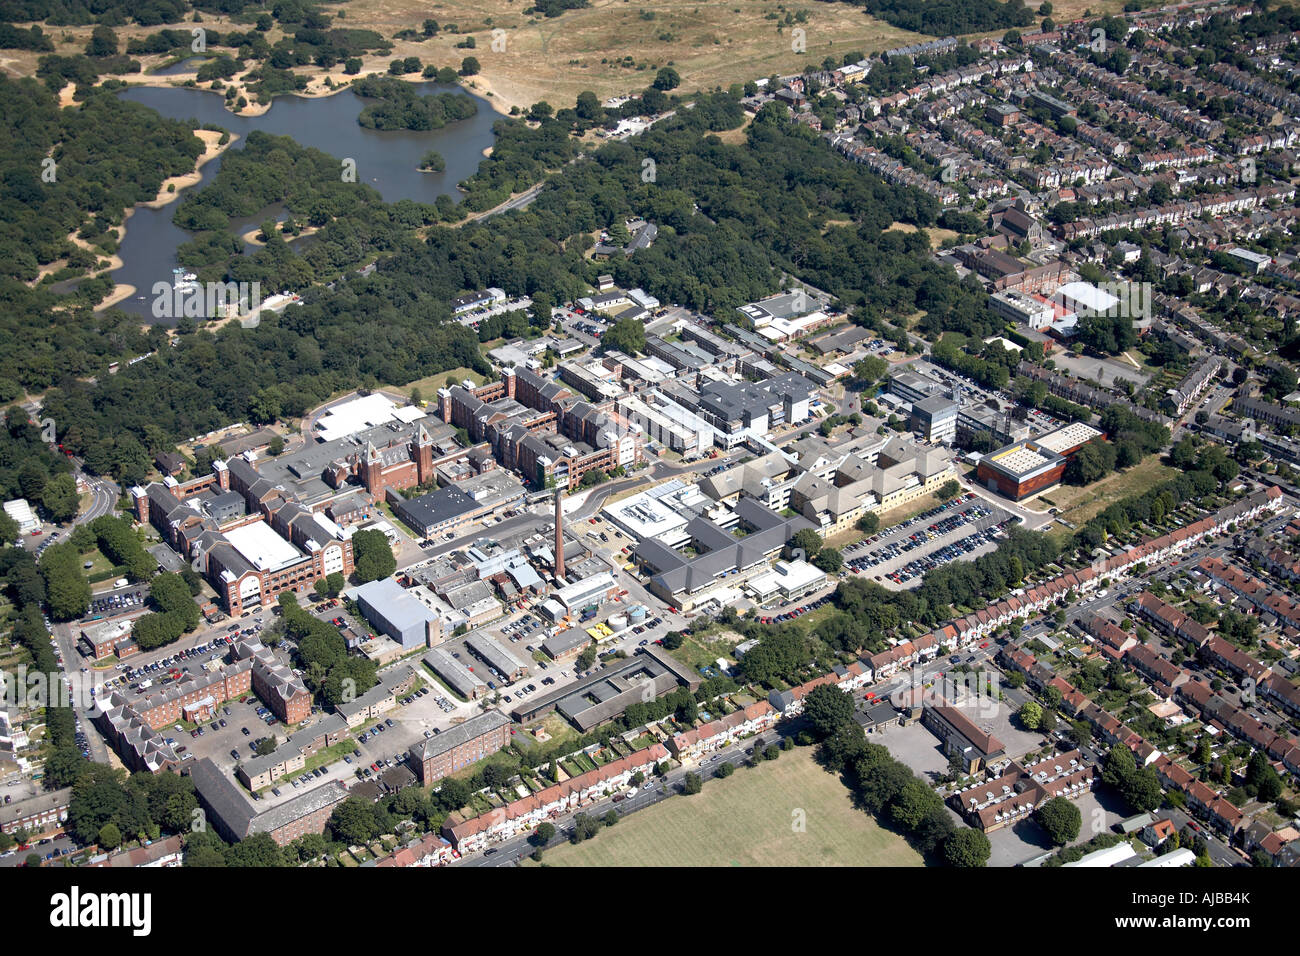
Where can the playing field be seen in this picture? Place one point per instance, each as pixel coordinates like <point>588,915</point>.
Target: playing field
<point>749,819</point>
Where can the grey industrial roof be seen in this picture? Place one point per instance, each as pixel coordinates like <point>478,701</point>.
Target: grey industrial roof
<point>460,677</point>
<point>566,641</point>
<point>298,807</point>
<point>492,652</point>
<point>723,551</point>
<point>397,607</point>
<point>435,507</point>
<point>934,404</point>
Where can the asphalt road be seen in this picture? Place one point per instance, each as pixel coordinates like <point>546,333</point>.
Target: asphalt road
<point>104,495</point>
<point>1219,851</point>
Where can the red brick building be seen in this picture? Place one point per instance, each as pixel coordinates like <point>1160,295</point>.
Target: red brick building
<point>1020,470</point>
<point>462,745</point>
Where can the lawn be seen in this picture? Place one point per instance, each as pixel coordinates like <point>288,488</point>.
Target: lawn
<point>554,726</point>
<point>322,758</point>
<point>1078,505</point>
<point>100,567</point>
<point>430,384</point>
<point>748,819</point>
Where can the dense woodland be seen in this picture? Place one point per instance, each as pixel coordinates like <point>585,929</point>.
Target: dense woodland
<point>79,12</point>
<point>107,155</point>
<point>942,18</point>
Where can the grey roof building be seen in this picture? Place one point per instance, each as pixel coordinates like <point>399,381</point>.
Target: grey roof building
<point>224,806</point>
<point>457,676</point>
<point>496,655</point>
<point>398,614</point>
<point>608,692</point>
<point>675,576</point>
<point>565,642</point>
<point>310,810</point>
<point>431,511</point>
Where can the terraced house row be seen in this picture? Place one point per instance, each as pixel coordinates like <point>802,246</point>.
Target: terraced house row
<point>1154,551</point>
<point>522,816</point>
<point>711,737</point>
<point>1267,601</point>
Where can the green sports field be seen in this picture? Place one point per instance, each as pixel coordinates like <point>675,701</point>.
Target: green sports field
<point>748,819</point>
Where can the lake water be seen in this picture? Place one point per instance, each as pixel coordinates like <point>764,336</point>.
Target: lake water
<point>188,65</point>
<point>386,161</point>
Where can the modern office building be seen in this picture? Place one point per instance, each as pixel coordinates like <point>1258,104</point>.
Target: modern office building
<point>935,417</point>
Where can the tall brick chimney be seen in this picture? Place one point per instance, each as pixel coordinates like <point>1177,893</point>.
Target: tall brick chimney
<point>559,538</point>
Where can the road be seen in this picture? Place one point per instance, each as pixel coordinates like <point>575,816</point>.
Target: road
<point>524,199</point>
<point>1032,520</point>
<point>62,845</point>
<point>65,635</point>
<point>1219,851</point>
<point>104,495</point>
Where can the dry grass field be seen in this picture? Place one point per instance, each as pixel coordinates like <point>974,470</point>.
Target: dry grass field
<point>746,820</point>
<point>1078,505</point>
<point>615,46</point>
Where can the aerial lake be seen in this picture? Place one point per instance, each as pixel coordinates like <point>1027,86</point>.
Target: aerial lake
<point>385,160</point>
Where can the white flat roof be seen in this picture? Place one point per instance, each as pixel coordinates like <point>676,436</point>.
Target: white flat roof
<point>643,517</point>
<point>1256,257</point>
<point>1019,459</point>
<point>657,512</point>
<point>262,547</point>
<point>408,414</point>
<point>362,413</point>
<point>1076,433</point>
<point>584,589</point>
<point>798,574</point>
<point>1088,296</point>
<point>1107,857</point>
<point>328,525</point>
<point>787,576</point>
<point>19,510</point>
